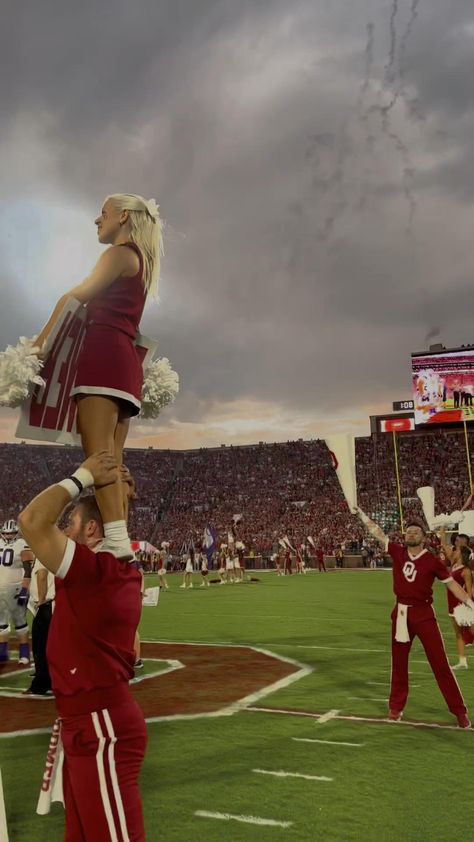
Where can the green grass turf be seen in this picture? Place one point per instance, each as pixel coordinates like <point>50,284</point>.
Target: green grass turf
<point>399,786</point>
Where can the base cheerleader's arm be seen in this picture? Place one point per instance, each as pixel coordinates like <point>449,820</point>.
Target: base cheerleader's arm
<point>445,545</point>
<point>111,265</point>
<point>38,521</point>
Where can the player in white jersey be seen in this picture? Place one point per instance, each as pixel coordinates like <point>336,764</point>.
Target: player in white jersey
<point>16,560</point>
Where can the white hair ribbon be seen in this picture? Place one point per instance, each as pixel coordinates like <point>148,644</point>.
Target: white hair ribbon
<point>152,209</point>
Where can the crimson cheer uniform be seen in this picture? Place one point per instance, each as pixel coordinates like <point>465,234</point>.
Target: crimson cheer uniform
<point>91,657</point>
<point>413,579</point>
<point>109,363</point>
<point>466,631</point>
<point>320,558</point>
<point>456,574</point>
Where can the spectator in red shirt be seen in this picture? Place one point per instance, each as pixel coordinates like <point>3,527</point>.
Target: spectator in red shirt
<point>90,655</point>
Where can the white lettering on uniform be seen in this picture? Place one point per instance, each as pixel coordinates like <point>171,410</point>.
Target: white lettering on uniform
<point>409,571</point>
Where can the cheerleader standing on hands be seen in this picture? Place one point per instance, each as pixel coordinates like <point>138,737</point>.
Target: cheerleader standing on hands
<point>109,377</point>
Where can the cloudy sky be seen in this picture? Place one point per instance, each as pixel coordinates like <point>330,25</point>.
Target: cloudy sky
<point>314,164</point>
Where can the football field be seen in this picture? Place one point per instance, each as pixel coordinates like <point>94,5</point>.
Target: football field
<point>270,726</point>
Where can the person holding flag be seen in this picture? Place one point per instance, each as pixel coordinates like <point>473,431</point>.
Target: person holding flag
<point>209,544</point>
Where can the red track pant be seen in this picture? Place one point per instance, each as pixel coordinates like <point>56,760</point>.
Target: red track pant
<point>422,623</point>
<point>103,753</point>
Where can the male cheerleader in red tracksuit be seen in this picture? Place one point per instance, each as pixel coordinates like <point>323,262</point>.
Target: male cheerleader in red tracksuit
<point>414,572</point>
<point>320,558</point>
<point>90,657</point>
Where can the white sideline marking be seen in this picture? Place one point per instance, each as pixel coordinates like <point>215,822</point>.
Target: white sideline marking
<point>3,815</point>
<point>386,684</point>
<point>365,699</point>
<point>326,717</point>
<point>17,693</point>
<point>327,742</point>
<point>376,720</point>
<point>173,665</point>
<point>241,704</point>
<point>268,643</point>
<point>205,814</point>
<point>282,774</point>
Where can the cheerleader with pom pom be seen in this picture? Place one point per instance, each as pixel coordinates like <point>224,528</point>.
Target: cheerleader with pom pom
<point>109,378</point>
<point>459,557</point>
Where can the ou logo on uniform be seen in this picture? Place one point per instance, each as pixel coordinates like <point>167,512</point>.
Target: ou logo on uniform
<point>409,571</point>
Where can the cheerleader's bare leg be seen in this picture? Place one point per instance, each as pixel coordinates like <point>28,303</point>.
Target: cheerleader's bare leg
<point>98,419</point>
<point>121,433</point>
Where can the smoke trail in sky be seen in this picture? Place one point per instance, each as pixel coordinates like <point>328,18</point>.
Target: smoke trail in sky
<point>390,66</point>
<point>413,105</point>
<point>363,111</point>
<point>433,332</point>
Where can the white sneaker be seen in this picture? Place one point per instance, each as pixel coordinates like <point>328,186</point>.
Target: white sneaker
<point>459,667</point>
<point>25,661</point>
<point>191,585</point>
<point>182,586</point>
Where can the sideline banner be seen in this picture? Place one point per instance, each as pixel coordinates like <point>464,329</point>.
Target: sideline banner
<point>51,413</point>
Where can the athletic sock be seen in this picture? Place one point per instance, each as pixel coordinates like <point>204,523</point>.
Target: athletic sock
<point>24,651</point>
<point>116,531</point>
<point>463,662</point>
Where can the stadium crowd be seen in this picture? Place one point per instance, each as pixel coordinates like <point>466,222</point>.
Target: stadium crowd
<point>279,489</point>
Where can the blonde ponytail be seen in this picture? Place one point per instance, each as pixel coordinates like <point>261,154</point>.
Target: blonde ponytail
<point>146,231</point>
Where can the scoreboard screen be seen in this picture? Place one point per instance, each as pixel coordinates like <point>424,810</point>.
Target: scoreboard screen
<point>443,386</point>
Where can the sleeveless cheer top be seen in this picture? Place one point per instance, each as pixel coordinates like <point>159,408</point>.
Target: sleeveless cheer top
<point>121,305</point>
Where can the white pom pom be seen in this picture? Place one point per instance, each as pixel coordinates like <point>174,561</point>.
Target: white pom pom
<point>464,615</point>
<point>160,387</point>
<point>19,372</point>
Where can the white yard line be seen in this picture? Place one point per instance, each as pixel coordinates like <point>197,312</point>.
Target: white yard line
<point>327,742</point>
<point>282,774</point>
<point>350,718</point>
<point>267,643</point>
<point>326,717</point>
<point>172,666</point>
<point>3,815</point>
<point>365,699</point>
<point>10,692</point>
<point>227,817</point>
<point>386,684</point>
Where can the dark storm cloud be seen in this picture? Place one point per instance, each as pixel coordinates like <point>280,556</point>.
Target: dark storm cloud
<point>304,258</point>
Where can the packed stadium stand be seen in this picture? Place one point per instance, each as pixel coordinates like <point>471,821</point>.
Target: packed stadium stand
<point>289,488</point>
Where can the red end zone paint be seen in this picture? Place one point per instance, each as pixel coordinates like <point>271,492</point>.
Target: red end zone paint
<point>213,678</point>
